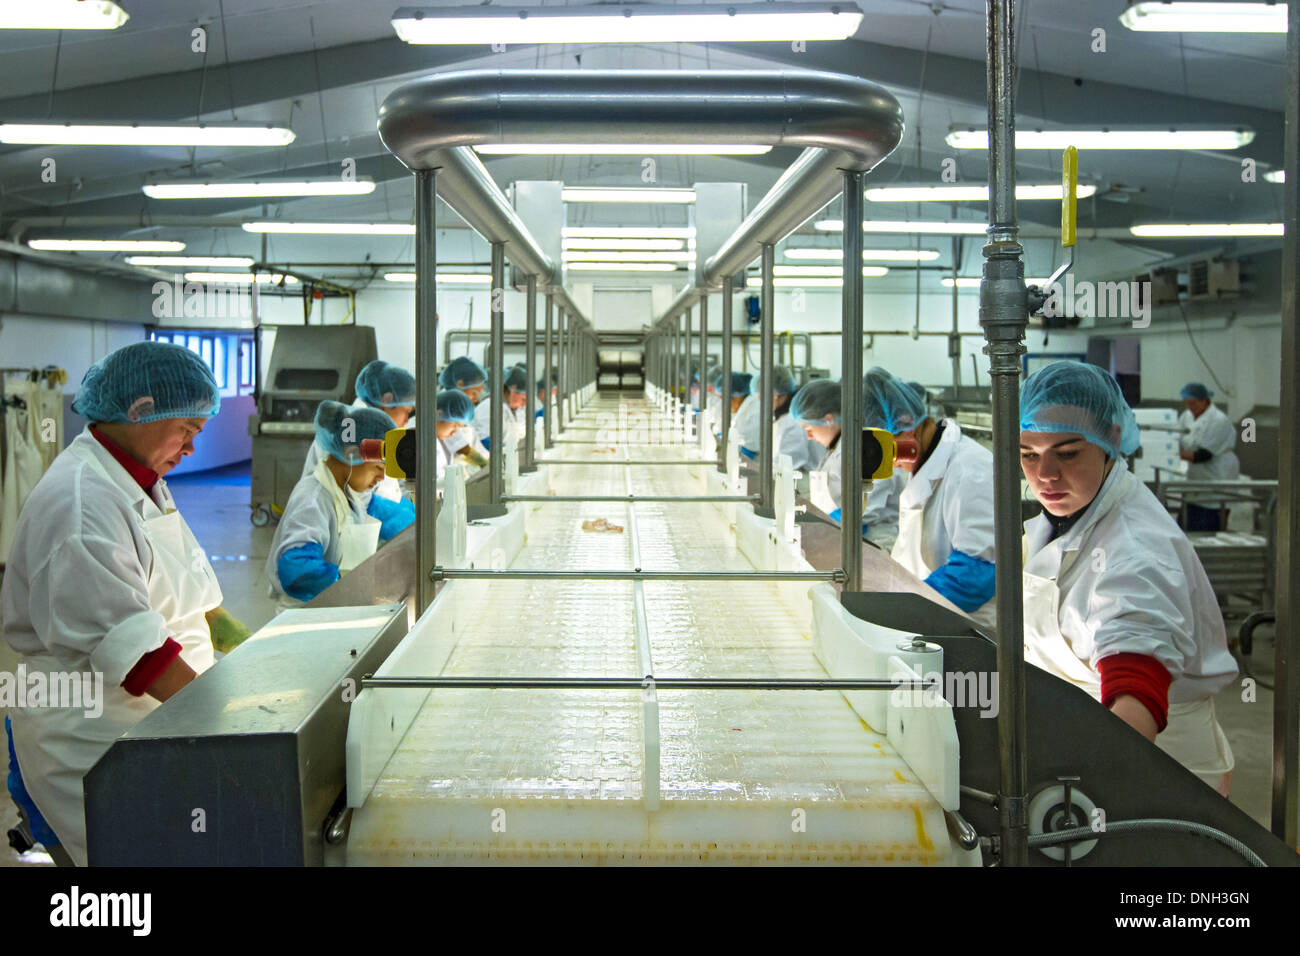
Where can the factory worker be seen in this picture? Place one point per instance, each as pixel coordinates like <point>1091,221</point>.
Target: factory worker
<point>788,437</point>
<point>1116,601</point>
<point>467,375</point>
<point>816,408</point>
<point>713,401</point>
<point>330,525</point>
<point>392,391</point>
<point>106,578</point>
<point>1207,446</point>
<point>455,411</point>
<point>514,395</point>
<point>945,514</point>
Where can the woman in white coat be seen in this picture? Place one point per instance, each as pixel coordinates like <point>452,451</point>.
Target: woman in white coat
<point>106,579</point>
<point>816,407</point>
<point>330,523</point>
<point>1116,601</point>
<point>788,436</point>
<point>514,398</point>
<point>1207,446</point>
<point>945,514</point>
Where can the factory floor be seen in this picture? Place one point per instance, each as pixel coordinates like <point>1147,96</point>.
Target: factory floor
<point>215,504</point>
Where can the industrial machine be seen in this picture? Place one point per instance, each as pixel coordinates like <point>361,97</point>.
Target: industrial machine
<point>309,364</point>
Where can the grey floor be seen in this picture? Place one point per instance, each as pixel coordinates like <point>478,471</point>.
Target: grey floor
<point>215,504</point>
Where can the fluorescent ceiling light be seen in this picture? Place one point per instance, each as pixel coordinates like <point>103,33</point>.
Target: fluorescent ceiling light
<point>1200,230</point>
<point>214,262</point>
<point>1058,139</point>
<point>868,255</point>
<point>873,272</point>
<point>622,267</point>
<point>780,22</point>
<point>459,278</point>
<point>1206,17</point>
<point>662,245</point>
<point>240,278</point>
<point>604,255</point>
<point>620,149</point>
<point>106,245</point>
<point>324,187</point>
<point>80,134</point>
<point>806,282</point>
<point>957,193</point>
<point>1275,176</point>
<point>603,194</point>
<point>914,226</point>
<point>333,228</point>
<point>973,282</point>
<point>628,232</point>
<point>61,15</point>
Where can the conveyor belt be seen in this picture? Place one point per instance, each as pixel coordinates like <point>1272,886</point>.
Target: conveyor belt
<point>523,776</point>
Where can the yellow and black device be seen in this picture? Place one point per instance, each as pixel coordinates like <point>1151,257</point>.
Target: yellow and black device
<point>880,449</point>
<point>396,450</point>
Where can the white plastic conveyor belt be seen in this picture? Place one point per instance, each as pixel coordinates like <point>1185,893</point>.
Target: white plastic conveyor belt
<point>556,776</point>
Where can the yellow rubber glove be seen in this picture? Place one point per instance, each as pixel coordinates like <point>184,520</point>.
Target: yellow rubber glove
<point>227,631</point>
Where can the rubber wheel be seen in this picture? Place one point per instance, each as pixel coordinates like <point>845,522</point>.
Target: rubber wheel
<point>260,516</point>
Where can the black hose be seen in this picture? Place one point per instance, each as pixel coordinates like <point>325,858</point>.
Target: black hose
<point>1246,641</point>
<point>1079,834</point>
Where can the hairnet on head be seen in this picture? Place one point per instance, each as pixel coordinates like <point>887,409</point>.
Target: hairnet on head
<point>517,379</point>
<point>1196,390</point>
<point>455,406</point>
<point>715,379</point>
<point>1073,397</point>
<point>146,382</point>
<point>890,403</point>
<point>920,390</point>
<point>463,370</point>
<point>340,429</point>
<point>742,384</point>
<point>782,381</point>
<point>816,400</point>
<point>381,385</point>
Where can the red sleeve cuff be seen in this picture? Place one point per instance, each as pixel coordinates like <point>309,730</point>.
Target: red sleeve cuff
<point>150,667</point>
<point>1141,676</point>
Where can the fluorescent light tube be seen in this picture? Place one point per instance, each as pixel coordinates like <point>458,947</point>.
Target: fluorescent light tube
<point>662,245</point>
<point>457,278</point>
<point>325,187</point>
<point>913,226</point>
<point>61,15</point>
<point>106,245</point>
<point>602,194</point>
<point>868,255</point>
<point>332,228</point>
<point>968,193</point>
<point>627,232</point>
<point>620,149</point>
<point>1275,176</point>
<point>873,272</point>
<point>82,134</point>
<point>239,278</point>
<point>622,267</point>
<point>1205,230</point>
<point>214,262</point>
<point>1206,17</point>
<point>1058,139</point>
<point>604,255</point>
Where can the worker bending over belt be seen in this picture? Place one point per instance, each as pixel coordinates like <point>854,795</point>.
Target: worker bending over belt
<point>330,525</point>
<point>105,577</point>
<point>514,398</point>
<point>787,437</point>
<point>1116,601</point>
<point>816,407</point>
<point>467,375</point>
<point>945,514</point>
<point>455,412</point>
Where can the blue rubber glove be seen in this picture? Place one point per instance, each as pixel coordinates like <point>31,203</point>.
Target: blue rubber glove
<point>966,581</point>
<point>304,572</point>
<point>394,516</point>
<point>751,455</point>
<point>836,515</point>
<point>36,823</point>
<point>486,441</point>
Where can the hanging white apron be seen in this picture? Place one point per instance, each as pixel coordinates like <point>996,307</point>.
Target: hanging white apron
<point>909,552</point>
<point>56,747</point>
<point>1193,736</point>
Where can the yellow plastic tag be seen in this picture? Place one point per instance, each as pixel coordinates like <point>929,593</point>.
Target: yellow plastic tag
<point>1070,196</point>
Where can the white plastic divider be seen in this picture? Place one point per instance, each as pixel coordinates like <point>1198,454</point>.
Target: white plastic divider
<point>650,775</point>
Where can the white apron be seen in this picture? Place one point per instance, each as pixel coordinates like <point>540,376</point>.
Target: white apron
<point>908,552</point>
<point>182,586</point>
<point>1193,736</point>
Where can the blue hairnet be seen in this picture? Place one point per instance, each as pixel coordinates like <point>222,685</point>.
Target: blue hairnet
<point>812,403</point>
<point>1196,390</point>
<point>782,381</point>
<point>455,406</point>
<point>715,379</point>
<point>890,403</point>
<point>379,378</point>
<point>742,384</point>
<point>1074,397</point>
<point>146,382</point>
<point>920,390</point>
<point>517,379</point>
<point>464,370</point>
<point>340,429</point>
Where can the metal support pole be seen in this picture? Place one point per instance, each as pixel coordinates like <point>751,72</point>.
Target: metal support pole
<point>686,378</point>
<point>700,423</point>
<point>530,370</point>
<point>548,413</point>
<point>726,372</point>
<point>677,369</point>
<point>561,322</point>
<point>1286,694</point>
<point>851,385</point>
<point>954,340</point>
<point>497,375</point>
<point>765,410</point>
<point>1004,316</point>
<point>426,386</point>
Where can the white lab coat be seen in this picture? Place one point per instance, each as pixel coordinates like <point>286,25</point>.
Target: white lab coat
<point>789,438</point>
<point>1125,579</point>
<point>514,420</point>
<point>745,423</point>
<point>948,506</point>
<point>319,511</point>
<point>1214,432</point>
<point>881,513</point>
<point>101,573</point>
<point>713,413</point>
